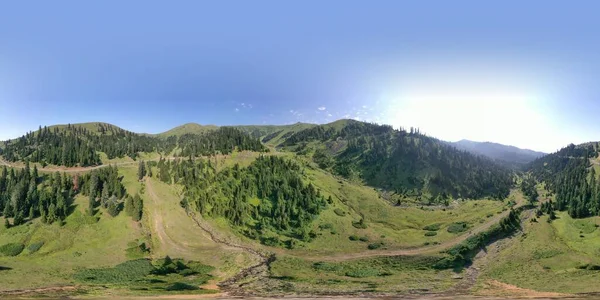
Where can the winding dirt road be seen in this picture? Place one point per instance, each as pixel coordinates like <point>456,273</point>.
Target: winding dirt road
<point>417,250</point>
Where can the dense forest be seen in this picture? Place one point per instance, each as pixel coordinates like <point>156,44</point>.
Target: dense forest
<point>77,145</point>
<point>25,195</point>
<point>569,174</point>
<point>74,145</point>
<point>223,140</point>
<point>267,197</point>
<point>402,161</point>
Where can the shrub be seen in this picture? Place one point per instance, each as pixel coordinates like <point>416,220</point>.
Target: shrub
<point>374,246</point>
<point>32,248</point>
<point>364,239</point>
<point>180,286</point>
<point>360,224</point>
<point>457,227</point>
<point>325,266</point>
<point>326,226</point>
<point>353,237</point>
<point>431,233</point>
<point>339,212</point>
<point>122,273</point>
<point>12,249</point>
<point>432,227</point>
<point>361,273</point>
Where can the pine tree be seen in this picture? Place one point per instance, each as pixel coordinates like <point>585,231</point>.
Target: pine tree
<point>129,205</point>
<point>141,170</point>
<point>138,206</point>
<point>91,204</point>
<point>149,169</point>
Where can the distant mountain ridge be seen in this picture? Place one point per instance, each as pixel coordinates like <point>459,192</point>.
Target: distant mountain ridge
<point>505,154</point>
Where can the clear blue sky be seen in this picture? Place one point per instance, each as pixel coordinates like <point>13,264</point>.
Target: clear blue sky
<point>517,72</point>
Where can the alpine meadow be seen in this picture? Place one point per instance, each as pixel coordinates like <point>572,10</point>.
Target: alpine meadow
<point>346,207</point>
<point>299,150</point>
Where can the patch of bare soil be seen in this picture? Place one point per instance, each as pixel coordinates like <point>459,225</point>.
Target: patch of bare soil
<point>497,288</point>
<point>38,291</point>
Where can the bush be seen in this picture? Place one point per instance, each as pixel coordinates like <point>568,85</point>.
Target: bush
<point>589,267</point>
<point>122,273</point>
<point>432,227</point>
<point>457,227</point>
<point>12,249</point>
<point>339,212</point>
<point>431,233</point>
<point>180,286</point>
<point>364,239</point>
<point>353,237</point>
<point>325,266</point>
<point>374,246</point>
<point>361,273</point>
<point>32,248</point>
<point>326,226</point>
<point>360,224</point>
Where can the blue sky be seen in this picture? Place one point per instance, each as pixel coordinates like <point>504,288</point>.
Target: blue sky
<point>516,72</point>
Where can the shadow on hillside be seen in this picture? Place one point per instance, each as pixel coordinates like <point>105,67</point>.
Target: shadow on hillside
<point>5,268</point>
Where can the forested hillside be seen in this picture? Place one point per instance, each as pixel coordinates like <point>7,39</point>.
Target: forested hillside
<point>570,175</point>
<point>80,144</point>
<point>264,200</point>
<point>406,162</point>
<point>73,145</point>
<point>25,194</point>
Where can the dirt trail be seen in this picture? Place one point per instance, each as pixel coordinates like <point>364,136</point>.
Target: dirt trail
<point>418,250</point>
<point>258,270</point>
<point>158,224</point>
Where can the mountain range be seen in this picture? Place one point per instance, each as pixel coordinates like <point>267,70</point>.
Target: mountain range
<point>273,210</point>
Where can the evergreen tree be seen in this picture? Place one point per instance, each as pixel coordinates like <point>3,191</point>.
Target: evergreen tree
<point>149,169</point>
<point>129,207</point>
<point>141,170</point>
<point>138,206</point>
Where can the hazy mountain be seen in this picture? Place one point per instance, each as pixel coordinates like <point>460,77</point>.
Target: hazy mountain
<point>505,154</point>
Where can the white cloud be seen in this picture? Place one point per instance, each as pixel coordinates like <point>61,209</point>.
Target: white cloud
<point>237,109</point>
<point>322,108</point>
<point>329,115</point>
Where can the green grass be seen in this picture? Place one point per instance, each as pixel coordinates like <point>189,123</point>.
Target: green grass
<point>187,128</point>
<point>401,226</point>
<point>550,256</point>
<point>102,241</point>
<point>123,273</point>
<point>80,242</point>
<point>144,275</point>
<point>11,249</point>
<point>386,274</point>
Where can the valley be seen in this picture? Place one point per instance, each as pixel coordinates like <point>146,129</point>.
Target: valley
<point>346,208</point>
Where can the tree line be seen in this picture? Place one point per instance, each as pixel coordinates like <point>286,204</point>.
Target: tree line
<point>569,175</point>
<point>26,195</point>
<point>406,162</point>
<point>79,146</point>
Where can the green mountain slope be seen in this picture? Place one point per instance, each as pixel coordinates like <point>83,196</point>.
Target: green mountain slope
<point>408,163</point>
<point>274,134</point>
<point>193,128</point>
